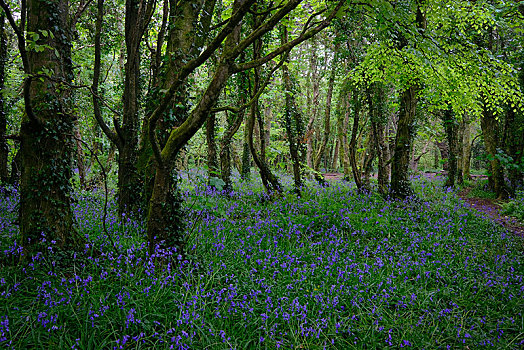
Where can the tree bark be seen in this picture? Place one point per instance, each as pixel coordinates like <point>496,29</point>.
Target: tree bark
<point>46,134</point>
<point>400,185</point>
<point>129,187</point>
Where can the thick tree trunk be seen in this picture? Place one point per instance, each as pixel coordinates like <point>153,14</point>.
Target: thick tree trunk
<point>490,130</point>
<point>514,139</point>
<point>47,136</point>
<point>4,150</point>
<point>129,183</point>
<point>164,224</point>
<point>400,186</point>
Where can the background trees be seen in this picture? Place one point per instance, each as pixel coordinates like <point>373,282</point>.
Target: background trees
<point>296,86</point>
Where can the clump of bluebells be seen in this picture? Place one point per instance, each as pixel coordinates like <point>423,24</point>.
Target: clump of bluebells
<point>334,269</point>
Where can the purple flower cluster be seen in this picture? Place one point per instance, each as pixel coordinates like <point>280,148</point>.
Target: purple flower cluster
<point>334,269</point>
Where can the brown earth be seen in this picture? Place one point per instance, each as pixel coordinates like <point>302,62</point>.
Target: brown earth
<point>492,208</point>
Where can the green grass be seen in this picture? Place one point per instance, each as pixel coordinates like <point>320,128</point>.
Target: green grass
<point>333,269</point>
<point>480,190</point>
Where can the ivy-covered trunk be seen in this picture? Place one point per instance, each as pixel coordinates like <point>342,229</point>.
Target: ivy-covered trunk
<point>400,186</point>
<point>47,135</point>
<point>129,183</point>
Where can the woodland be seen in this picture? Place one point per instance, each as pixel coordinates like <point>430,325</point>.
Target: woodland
<point>260,174</point>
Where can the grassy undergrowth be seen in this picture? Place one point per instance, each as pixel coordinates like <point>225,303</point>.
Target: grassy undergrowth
<point>334,269</point>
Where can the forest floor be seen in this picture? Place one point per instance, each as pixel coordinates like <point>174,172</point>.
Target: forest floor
<point>489,207</point>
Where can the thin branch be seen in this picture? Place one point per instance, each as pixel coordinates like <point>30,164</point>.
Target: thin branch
<point>258,93</point>
<point>235,18</point>
<point>79,13</point>
<point>301,38</point>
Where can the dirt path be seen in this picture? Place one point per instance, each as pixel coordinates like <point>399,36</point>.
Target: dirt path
<point>492,209</point>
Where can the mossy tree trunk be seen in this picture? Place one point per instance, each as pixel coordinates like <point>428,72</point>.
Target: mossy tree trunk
<point>46,134</point>
<point>137,18</point>
<point>162,231</point>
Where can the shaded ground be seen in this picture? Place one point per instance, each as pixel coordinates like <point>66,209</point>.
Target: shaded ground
<point>489,207</point>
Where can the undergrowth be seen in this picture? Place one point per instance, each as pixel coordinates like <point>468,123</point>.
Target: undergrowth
<point>334,269</point>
